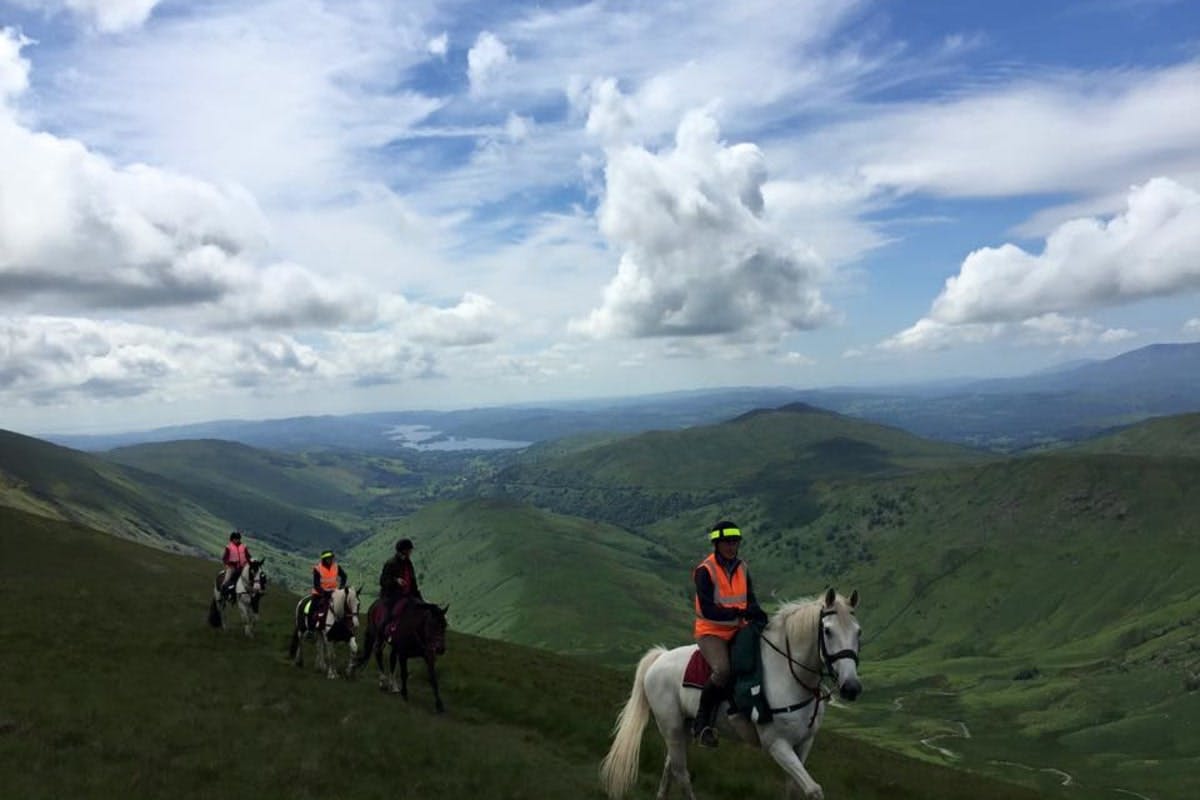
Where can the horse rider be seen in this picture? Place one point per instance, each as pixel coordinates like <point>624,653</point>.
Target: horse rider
<point>398,583</point>
<point>725,603</point>
<point>235,557</point>
<point>327,575</point>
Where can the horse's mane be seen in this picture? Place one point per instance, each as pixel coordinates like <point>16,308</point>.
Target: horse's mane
<point>801,617</point>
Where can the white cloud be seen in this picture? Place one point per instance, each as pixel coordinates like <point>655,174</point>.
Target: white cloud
<point>487,57</point>
<point>697,256</point>
<point>14,68</point>
<point>106,16</point>
<point>1151,249</point>
<point>1077,132</point>
<point>1044,330</point>
<point>439,45</point>
<point>1192,326</point>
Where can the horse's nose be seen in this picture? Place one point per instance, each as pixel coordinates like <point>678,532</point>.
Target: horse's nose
<point>851,689</point>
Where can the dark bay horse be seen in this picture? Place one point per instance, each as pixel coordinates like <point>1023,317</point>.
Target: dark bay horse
<point>417,631</point>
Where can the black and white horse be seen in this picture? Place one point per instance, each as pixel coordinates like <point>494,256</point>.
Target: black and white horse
<point>246,595</point>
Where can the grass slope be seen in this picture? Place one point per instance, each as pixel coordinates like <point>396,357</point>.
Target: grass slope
<point>641,479</point>
<point>538,578</point>
<point>284,499</point>
<point>1052,604</point>
<point>114,687</point>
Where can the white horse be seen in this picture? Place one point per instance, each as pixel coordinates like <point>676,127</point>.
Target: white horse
<point>339,625</point>
<point>803,643</point>
<point>247,593</point>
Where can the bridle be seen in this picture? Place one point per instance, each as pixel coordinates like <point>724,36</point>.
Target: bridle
<point>825,668</point>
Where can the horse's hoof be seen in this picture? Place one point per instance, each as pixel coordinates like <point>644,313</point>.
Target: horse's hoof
<point>441,709</point>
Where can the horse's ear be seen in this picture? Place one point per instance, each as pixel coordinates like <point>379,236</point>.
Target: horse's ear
<point>446,610</point>
<point>358,590</point>
<point>854,599</point>
<point>830,596</point>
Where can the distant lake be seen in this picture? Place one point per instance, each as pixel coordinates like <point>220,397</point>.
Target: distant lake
<point>423,437</point>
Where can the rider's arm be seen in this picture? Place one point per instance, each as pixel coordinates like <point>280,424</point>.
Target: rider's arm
<point>342,579</point>
<point>704,591</point>
<point>316,580</point>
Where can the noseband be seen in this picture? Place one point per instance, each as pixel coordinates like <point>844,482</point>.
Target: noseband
<point>825,669</point>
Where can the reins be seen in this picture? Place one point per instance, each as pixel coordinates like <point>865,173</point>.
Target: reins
<point>825,668</point>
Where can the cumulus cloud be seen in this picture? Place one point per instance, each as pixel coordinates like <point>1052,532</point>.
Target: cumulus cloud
<point>487,57</point>
<point>1152,249</point>
<point>106,16</point>
<point>1192,326</point>
<point>1046,329</point>
<point>698,258</point>
<point>439,45</point>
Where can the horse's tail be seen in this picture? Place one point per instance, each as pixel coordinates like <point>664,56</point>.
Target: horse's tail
<point>618,770</point>
<point>297,619</point>
<point>214,614</point>
<point>368,648</point>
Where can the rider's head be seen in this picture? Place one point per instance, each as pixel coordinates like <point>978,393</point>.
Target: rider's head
<point>725,536</point>
<point>404,546</point>
<point>327,557</point>
<point>236,536</point>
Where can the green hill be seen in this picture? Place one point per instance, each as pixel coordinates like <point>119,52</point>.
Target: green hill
<point>285,499</point>
<point>79,487</point>
<point>114,687</point>
<point>638,480</point>
<point>524,575</point>
<point>1050,604</point>
<point>1165,437</point>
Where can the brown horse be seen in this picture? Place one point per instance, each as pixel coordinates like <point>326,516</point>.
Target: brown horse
<point>417,631</point>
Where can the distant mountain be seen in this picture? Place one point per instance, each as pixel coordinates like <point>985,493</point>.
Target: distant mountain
<point>1060,406</point>
<point>527,423</point>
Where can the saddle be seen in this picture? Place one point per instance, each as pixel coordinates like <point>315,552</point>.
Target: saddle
<point>744,692</point>
<point>397,612</point>
<point>314,610</point>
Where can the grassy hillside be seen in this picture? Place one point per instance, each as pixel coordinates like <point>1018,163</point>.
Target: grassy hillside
<point>1050,604</point>
<point>1166,437</point>
<point>287,500</point>
<point>115,688</point>
<point>69,485</point>
<point>644,478</point>
<point>525,575</point>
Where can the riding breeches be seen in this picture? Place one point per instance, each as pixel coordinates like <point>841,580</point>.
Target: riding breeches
<point>716,652</point>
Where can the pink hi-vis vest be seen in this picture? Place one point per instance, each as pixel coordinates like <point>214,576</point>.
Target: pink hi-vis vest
<point>235,555</point>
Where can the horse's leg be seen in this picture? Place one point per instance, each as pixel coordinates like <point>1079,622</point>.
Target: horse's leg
<point>330,658</point>
<point>784,753</point>
<point>404,678</point>
<point>247,621</point>
<point>353,656</point>
<point>676,767</point>
<point>437,697</point>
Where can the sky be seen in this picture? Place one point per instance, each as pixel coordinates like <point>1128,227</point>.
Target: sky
<point>215,209</point>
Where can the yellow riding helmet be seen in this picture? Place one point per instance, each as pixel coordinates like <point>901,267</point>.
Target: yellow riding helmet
<point>724,530</point>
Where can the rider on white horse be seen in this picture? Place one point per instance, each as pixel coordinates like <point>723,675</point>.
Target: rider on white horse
<point>235,557</point>
<point>327,575</point>
<point>725,603</point>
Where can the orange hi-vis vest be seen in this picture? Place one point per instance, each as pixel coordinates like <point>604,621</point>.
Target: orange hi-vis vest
<point>329,577</point>
<point>728,592</point>
<point>236,555</point>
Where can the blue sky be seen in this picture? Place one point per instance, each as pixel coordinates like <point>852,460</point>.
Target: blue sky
<point>260,208</point>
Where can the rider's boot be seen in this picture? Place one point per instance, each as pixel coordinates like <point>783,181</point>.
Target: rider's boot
<point>704,728</point>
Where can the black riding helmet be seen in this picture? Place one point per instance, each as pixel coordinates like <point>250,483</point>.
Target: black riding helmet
<point>404,544</point>
<point>236,536</point>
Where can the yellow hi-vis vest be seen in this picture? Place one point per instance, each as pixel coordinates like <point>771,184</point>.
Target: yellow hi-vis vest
<point>728,592</point>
